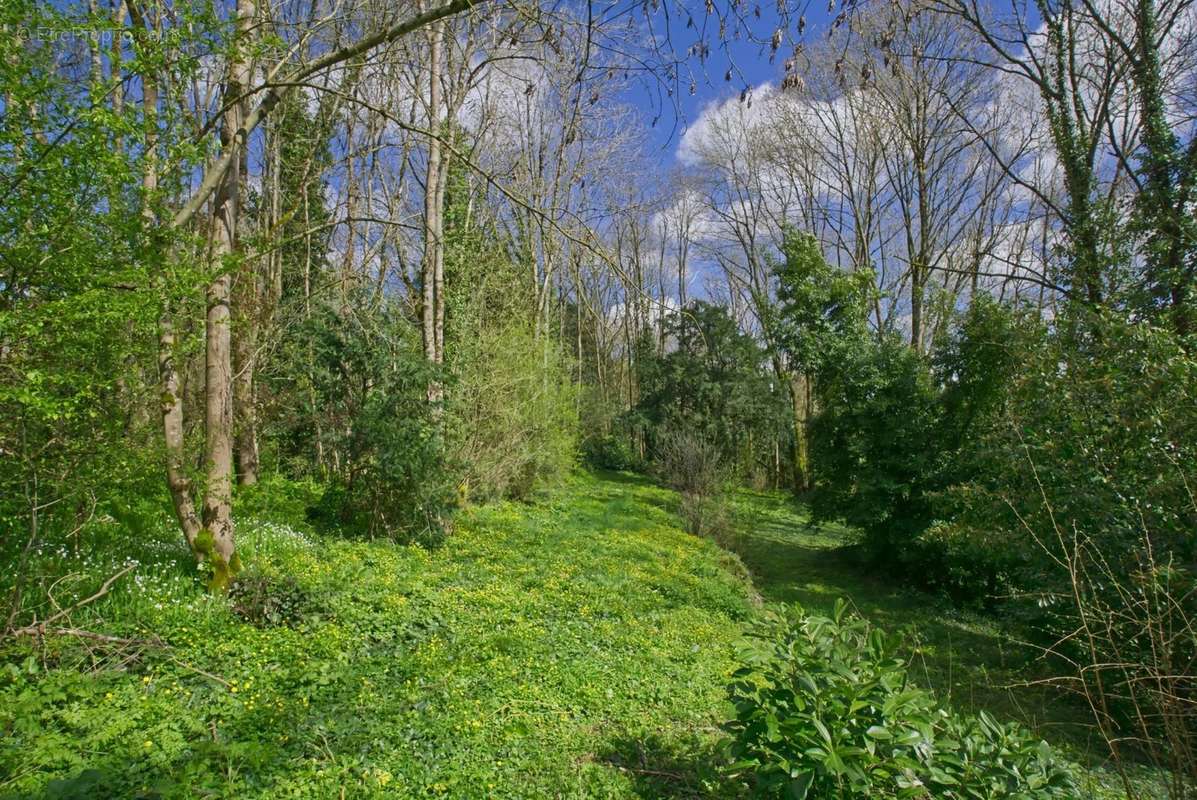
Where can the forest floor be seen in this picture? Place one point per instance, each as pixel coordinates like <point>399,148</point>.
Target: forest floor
<point>574,647</point>
<point>966,658</point>
<point>578,646</point>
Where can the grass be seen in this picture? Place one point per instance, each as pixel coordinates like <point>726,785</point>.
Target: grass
<point>967,659</point>
<point>575,647</point>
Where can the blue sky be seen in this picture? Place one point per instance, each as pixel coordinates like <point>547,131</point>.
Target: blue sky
<point>748,61</point>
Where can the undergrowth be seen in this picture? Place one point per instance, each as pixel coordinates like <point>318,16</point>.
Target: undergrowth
<point>577,647</point>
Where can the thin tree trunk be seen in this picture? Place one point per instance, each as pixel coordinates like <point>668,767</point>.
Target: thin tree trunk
<point>246,308</point>
<point>172,429</point>
<point>433,262</point>
<point>170,393</point>
<point>245,416</point>
<point>216,540</point>
<point>800,398</point>
<point>217,547</point>
<point>438,276</point>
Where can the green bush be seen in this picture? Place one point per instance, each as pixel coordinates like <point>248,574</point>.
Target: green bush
<point>715,383</point>
<point>1099,437</point>
<point>897,430</point>
<point>1083,489</point>
<point>873,445</point>
<point>826,709</point>
<point>269,600</point>
<point>397,484</point>
<point>610,451</point>
<point>387,468</point>
<point>512,412</point>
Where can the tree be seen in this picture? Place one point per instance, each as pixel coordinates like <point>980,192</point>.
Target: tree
<point>819,315</point>
<point>245,108</point>
<point>715,385</point>
<point>1115,86</point>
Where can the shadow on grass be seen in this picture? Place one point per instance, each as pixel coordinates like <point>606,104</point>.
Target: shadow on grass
<point>626,478</point>
<point>660,769</point>
<point>965,658</point>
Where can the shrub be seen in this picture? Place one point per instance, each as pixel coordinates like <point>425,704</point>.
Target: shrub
<point>1084,484</point>
<point>714,381</point>
<point>512,412</point>
<point>391,478</point>
<point>872,446</point>
<point>825,709</point>
<point>897,430</point>
<point>397,485</point>
<point>269,601</point>
<point>710,517</point>
<point>688,463</point>
<point>693,467</point>
<point>610,451</point>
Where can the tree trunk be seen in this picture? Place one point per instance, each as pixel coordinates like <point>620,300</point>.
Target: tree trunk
<point>432,271</point>
<point>916,306</point>
<point>172,429</point>
<point>920,264</point>
<point>170,393</point>
<point>215,542</point>
<point>246,309</point>
<point>438,273</point>
<point>800,397</point>
<point>245,413</point>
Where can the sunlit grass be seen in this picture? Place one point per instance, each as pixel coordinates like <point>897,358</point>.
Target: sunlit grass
<point>575,647</point>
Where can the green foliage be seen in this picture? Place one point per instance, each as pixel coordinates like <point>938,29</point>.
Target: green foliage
<point>500,665</point>
<point>266,600</point>
<point>610,451</point>
<point>1099,433</point>
<point>1083,491</point>
<point>872,444</point>
<point>895,431</point>
<point>391,477</point>
<point>714,385</point>
<point>820,311</point>
<point>512,411</point>
<point>817,322</point>
<point>975,363</point>
<point>75,313</point>
<point>824,709</point>
<point>296,379</point>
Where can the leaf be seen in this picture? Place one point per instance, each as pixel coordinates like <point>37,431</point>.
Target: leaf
<point>826,734</point>
<point>801,785</point>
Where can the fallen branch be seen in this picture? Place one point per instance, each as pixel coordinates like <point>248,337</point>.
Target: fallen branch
<point>206,674</point>
<point>97,637</point>
<point>40,629</point>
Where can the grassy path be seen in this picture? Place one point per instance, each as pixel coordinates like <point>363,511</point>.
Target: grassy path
<point>577,647</point>
<point>965,658</point>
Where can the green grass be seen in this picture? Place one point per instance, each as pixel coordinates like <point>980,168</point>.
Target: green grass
<point>575,647</point>
<point>964,657</point>
<point>967,659</point>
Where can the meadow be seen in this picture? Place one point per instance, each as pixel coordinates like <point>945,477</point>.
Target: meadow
<point>575,646</point>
